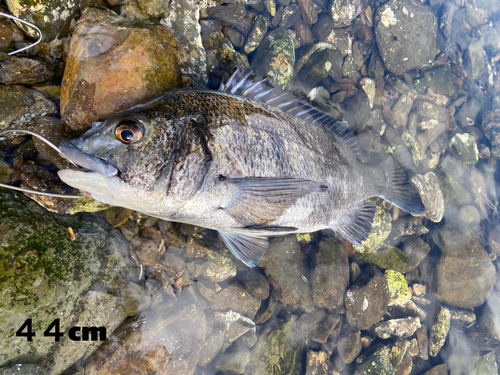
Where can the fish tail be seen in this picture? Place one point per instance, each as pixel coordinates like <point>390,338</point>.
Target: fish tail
<point>397,187</point>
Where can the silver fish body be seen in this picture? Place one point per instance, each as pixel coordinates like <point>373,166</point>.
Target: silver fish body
<point>237,165</point>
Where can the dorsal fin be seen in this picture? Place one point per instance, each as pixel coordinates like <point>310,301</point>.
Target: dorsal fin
<point>242,84</point>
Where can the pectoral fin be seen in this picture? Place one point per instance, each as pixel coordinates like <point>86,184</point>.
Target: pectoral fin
<point>249,244</point>
<point>357,230</point>
<point>260,200</point>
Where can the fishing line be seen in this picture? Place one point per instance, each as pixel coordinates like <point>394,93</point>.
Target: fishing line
<point>55,148</point>
<point>27,24</point>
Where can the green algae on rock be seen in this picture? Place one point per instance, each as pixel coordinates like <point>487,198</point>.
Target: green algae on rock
<point>398,288</point>
<point>439,330</point>
<point>275,57</point>
<point>381,228</point>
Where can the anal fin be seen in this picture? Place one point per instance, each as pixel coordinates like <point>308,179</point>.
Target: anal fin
<point>357,230</point>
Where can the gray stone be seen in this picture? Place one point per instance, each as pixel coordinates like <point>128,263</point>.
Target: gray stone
<point>235,298</point>
<point>344,11</point>
<point>475,58</point>
<point>464,147</point>
<point>323,27</point>
<point>366,301</point>
<point>401,110</point>
<point>317,325</point>
<point>489,321</point>
<point>439,80</point>
<point>291,15</point>
<point>221,267</point>
<point>432,111</point>
<point>233,360</point>
<point>256,35</point>
<point>22,71</point>
<point>404,327</point>
<point>308,10</point>
<point>349,346</point>
<point>465,275</point>
<point>431,194</point>
<point>285,266</point>
<point>256,284</point>
<point>329,274</point>
<point>406,35</point>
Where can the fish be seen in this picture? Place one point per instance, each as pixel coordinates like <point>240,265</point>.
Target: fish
<point>249,160</point>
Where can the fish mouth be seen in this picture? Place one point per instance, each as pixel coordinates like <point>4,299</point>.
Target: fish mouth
<point>87,161</point>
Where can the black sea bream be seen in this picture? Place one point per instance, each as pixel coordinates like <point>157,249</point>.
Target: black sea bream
<point>249,161</point>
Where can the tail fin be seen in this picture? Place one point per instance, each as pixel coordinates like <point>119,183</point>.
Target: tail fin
<point>398,189</point>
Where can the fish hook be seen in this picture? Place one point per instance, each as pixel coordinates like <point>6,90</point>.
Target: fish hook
<point>27,24</point>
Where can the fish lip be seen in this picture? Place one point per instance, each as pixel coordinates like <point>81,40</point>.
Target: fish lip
<point>88,161</point>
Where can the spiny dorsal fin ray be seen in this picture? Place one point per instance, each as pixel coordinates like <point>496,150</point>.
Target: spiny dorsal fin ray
<point>242,84</point>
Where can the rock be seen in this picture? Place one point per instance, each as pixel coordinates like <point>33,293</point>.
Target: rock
<point>237,39</point>
<point>317,325</point>
<point>465,148</point>
<point>439,80</point>
<point>474,365</point>
<point>408,226</point>
<point>490,124</point>
<point>275,57</point>
<point>22,71</point>
<point>303,33</point>
<point>441,369</point>
<point>416,249</point>
<point>134,298</point>
<point>469,214</point>
<point>454,193</point>
<point>276,352</point>
<point>366,301</point>
<point>432,111</point>
<point>344,11</point>
<point>404,327</point>
<point>27,369</point>
<point>381,228</point>
<point>46,275</point>
<point>256,35</point>
<point>406,35</point>
<point>256,284</point>
<point>398,288</point>
<point>359,110</point>
<point>233,360</point>
<point>401,110</point>
<point>439,330</point>
<point>423,342</point>
<point>378,362</point>
<point>10,35</point>
<point>316,68</point>
<point>291,15</point>
<point>489,321</point>
<point>221,267</point>
<point>125,65</point>
<point>368,86</point>
<point>349,346</point>
<point>182,21</point>
<point>431,194</point>
<point>308,10</point>
<point>388,258</point>
<point>286,270</point>
<point>329,274</point>
<point>475,58</point>
<point>465,275</point>
<point>151,343</point>
<point>318,363</point>
<point>405,366</point>
<point>235,298</point>
<point>323,27</point>
<point>21,107</point>
<point>53,18</point>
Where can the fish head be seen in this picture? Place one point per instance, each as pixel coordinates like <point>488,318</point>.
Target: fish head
<point>126,158</point>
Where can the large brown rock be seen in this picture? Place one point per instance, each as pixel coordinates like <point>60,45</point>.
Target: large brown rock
<point>112,64</point>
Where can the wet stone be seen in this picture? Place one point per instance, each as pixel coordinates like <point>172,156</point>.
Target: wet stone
<point>22,71</point>
<point>431,194</point>
<point>474,365</point>
<point>441,369</point>
<point>233,360</point>
<point>469,214</point>
<point>318,363</point>
<point>440,80</point>
<point>256,284</point>
<point>236,38</point>
<point>21,107</point>
<point>465,148</point>
<point>398,288</point>
<point>401,110</point>
<point>388,258</point>
<point>330,274</point>
<point>344,11</point>
<point>291,15</point>
<point>134,298</point>
<point>308,10</point>
<point>490,124</point>
<point>475,58</point>
<point>432,111</point>
<point>237,299</point>
<point>349,346</point>
<point>378,362</point>
<point>275,57</point>
<point>406,35</point>
<point>276,352</point>
<point>151,344</point>
<point>53,18</point>
<point>317,325</point>
<point>439,330</point>
<point>366,301</point>
<point>323,27</point>
<point>408,226</point>
<point>286,269</point>
<point>465,274</point>
<point>404,327</point>
<point>423,342</point>
<point>454,193</point>
<point>316,68</point>
<point>103,76</point>
<point>405,366</point>
<point>303,33</point>
<point>256,35</point>
<point>221,267</point>
<point>489,322</point>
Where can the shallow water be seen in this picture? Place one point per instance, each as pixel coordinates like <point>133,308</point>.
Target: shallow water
<point>314,305</point>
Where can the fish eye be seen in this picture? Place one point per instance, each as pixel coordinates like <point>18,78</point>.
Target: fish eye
<point>129,131</point>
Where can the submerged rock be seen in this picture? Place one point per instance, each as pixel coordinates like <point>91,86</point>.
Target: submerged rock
<point>112,64</point>
<point>22,71</point>
<point>439,330</point>
<point>343,12</point>
<point>406,35</point>
<point>378,362</point>
<point>366,301</point>
<point>380,230</point>
<point>431,194</point>
<point>275,57</point>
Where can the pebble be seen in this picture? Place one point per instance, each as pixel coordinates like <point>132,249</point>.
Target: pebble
<point>256,35</point>
<point>256,284</point>
<point>221,267</point>
<point>380,230</point>
<point>366,301</point>
<point>237,299</point>
<point>344,11</point>
<point>318,363</point>
<point>22,70</point>
<point>349,346</point>
<point>439,330</point>
<point>404,327</point>
<point>431,195</point>
<point>233,360</point>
